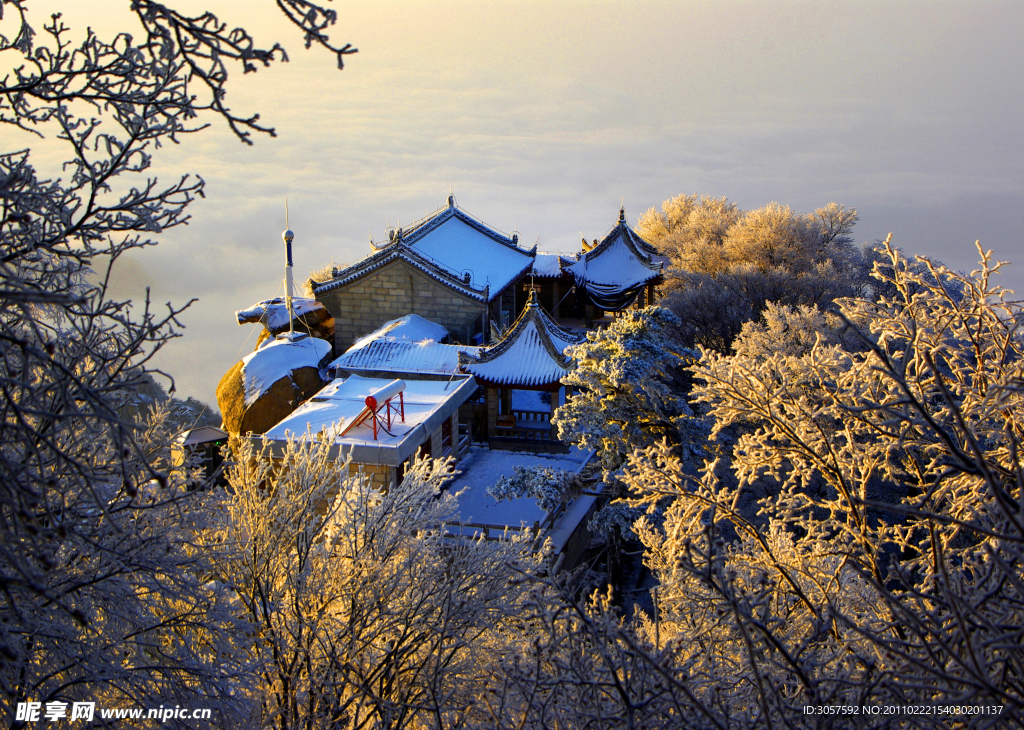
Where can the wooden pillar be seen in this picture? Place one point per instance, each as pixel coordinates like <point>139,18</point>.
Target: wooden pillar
<point>650,294</point>
<point>492,412</point>
<point>556,299</point>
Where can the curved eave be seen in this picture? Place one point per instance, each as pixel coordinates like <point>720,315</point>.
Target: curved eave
<point>526,356</point>
<point>413,233</point>
<point>395,252</point>
<point>512,282</point>
<point>651,277</point>
<point>643,253</point>
<point>499,371</point>
<point>521,383</point>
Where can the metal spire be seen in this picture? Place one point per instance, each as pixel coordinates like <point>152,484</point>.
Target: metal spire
<point>289,285</point>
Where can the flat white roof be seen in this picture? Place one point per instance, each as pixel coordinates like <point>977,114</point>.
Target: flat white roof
<point>427,404</point>
<point>482,468</point>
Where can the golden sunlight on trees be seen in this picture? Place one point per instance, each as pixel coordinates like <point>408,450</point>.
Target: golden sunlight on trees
<point>359,611</point>
<point>101,598</point>
<point>881,563</point>
<point>726,264</point>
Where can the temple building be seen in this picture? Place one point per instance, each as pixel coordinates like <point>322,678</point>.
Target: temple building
<point>448,267</point>
<point>553,285</point>
<point>522,376</point>
<point>616,272</point>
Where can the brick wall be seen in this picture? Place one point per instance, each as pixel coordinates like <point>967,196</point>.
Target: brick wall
<point>395,291</point>
<point>381,476</point>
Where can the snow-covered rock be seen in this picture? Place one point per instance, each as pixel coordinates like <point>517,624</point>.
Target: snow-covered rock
<point>268,384</point>
<point>310,316</point>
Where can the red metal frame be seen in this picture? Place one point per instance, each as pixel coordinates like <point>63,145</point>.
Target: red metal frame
<point>388,408</point>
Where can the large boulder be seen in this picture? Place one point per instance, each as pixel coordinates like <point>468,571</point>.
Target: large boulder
<point>311,317</point>
<point>267,385</point>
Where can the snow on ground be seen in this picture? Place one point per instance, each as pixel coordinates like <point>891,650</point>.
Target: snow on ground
<point>482,468</point>
<point>276,359</point>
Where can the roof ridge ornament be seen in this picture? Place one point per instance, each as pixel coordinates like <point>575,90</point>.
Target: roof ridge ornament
<point>622,214</point>
<point>451,199</point>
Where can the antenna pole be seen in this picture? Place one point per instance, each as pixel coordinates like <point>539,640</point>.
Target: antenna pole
<point>289,286</point>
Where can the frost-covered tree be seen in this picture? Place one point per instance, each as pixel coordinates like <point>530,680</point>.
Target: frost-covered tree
<point>624,398</point>
<point>111,605</point>
<point>884,567</point>
<point>727,263</point>
<point>584,667</point>
<point>550,487</point>
<point>792,331</point>
<point>691,231</point>
<point>97,588</point>
<point>362,612</point>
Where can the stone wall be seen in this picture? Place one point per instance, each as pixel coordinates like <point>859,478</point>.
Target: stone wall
<point>394,291</point>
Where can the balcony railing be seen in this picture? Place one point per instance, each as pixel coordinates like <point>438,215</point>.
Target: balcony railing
<point>535,425</point>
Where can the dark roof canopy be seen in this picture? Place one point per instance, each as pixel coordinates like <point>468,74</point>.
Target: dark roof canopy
<point>616,270</point>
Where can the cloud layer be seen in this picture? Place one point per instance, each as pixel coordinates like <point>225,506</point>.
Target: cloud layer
<point>542,117</point>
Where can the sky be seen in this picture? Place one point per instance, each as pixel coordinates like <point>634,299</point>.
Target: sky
<point>544,117</point>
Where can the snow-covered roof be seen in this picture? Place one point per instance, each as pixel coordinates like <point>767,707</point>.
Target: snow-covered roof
<point>404,345</point>
<point>427,404</point>
<point>483,467</point>
<point>273,313</point>
<point>411,327</point>
<point>530,354</point>
<point>401,251</point>
<point>402,356</point>
<point>453,244</point>
<point>614,271</point>
<point>277,358</point>
<point>452,240</point>
<point>201,435</point>
<point>549,265</point>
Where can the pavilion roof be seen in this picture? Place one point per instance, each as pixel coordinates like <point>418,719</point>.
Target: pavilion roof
<point>531,354</point>
<point>615,271</point>
<point>401,251</point>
